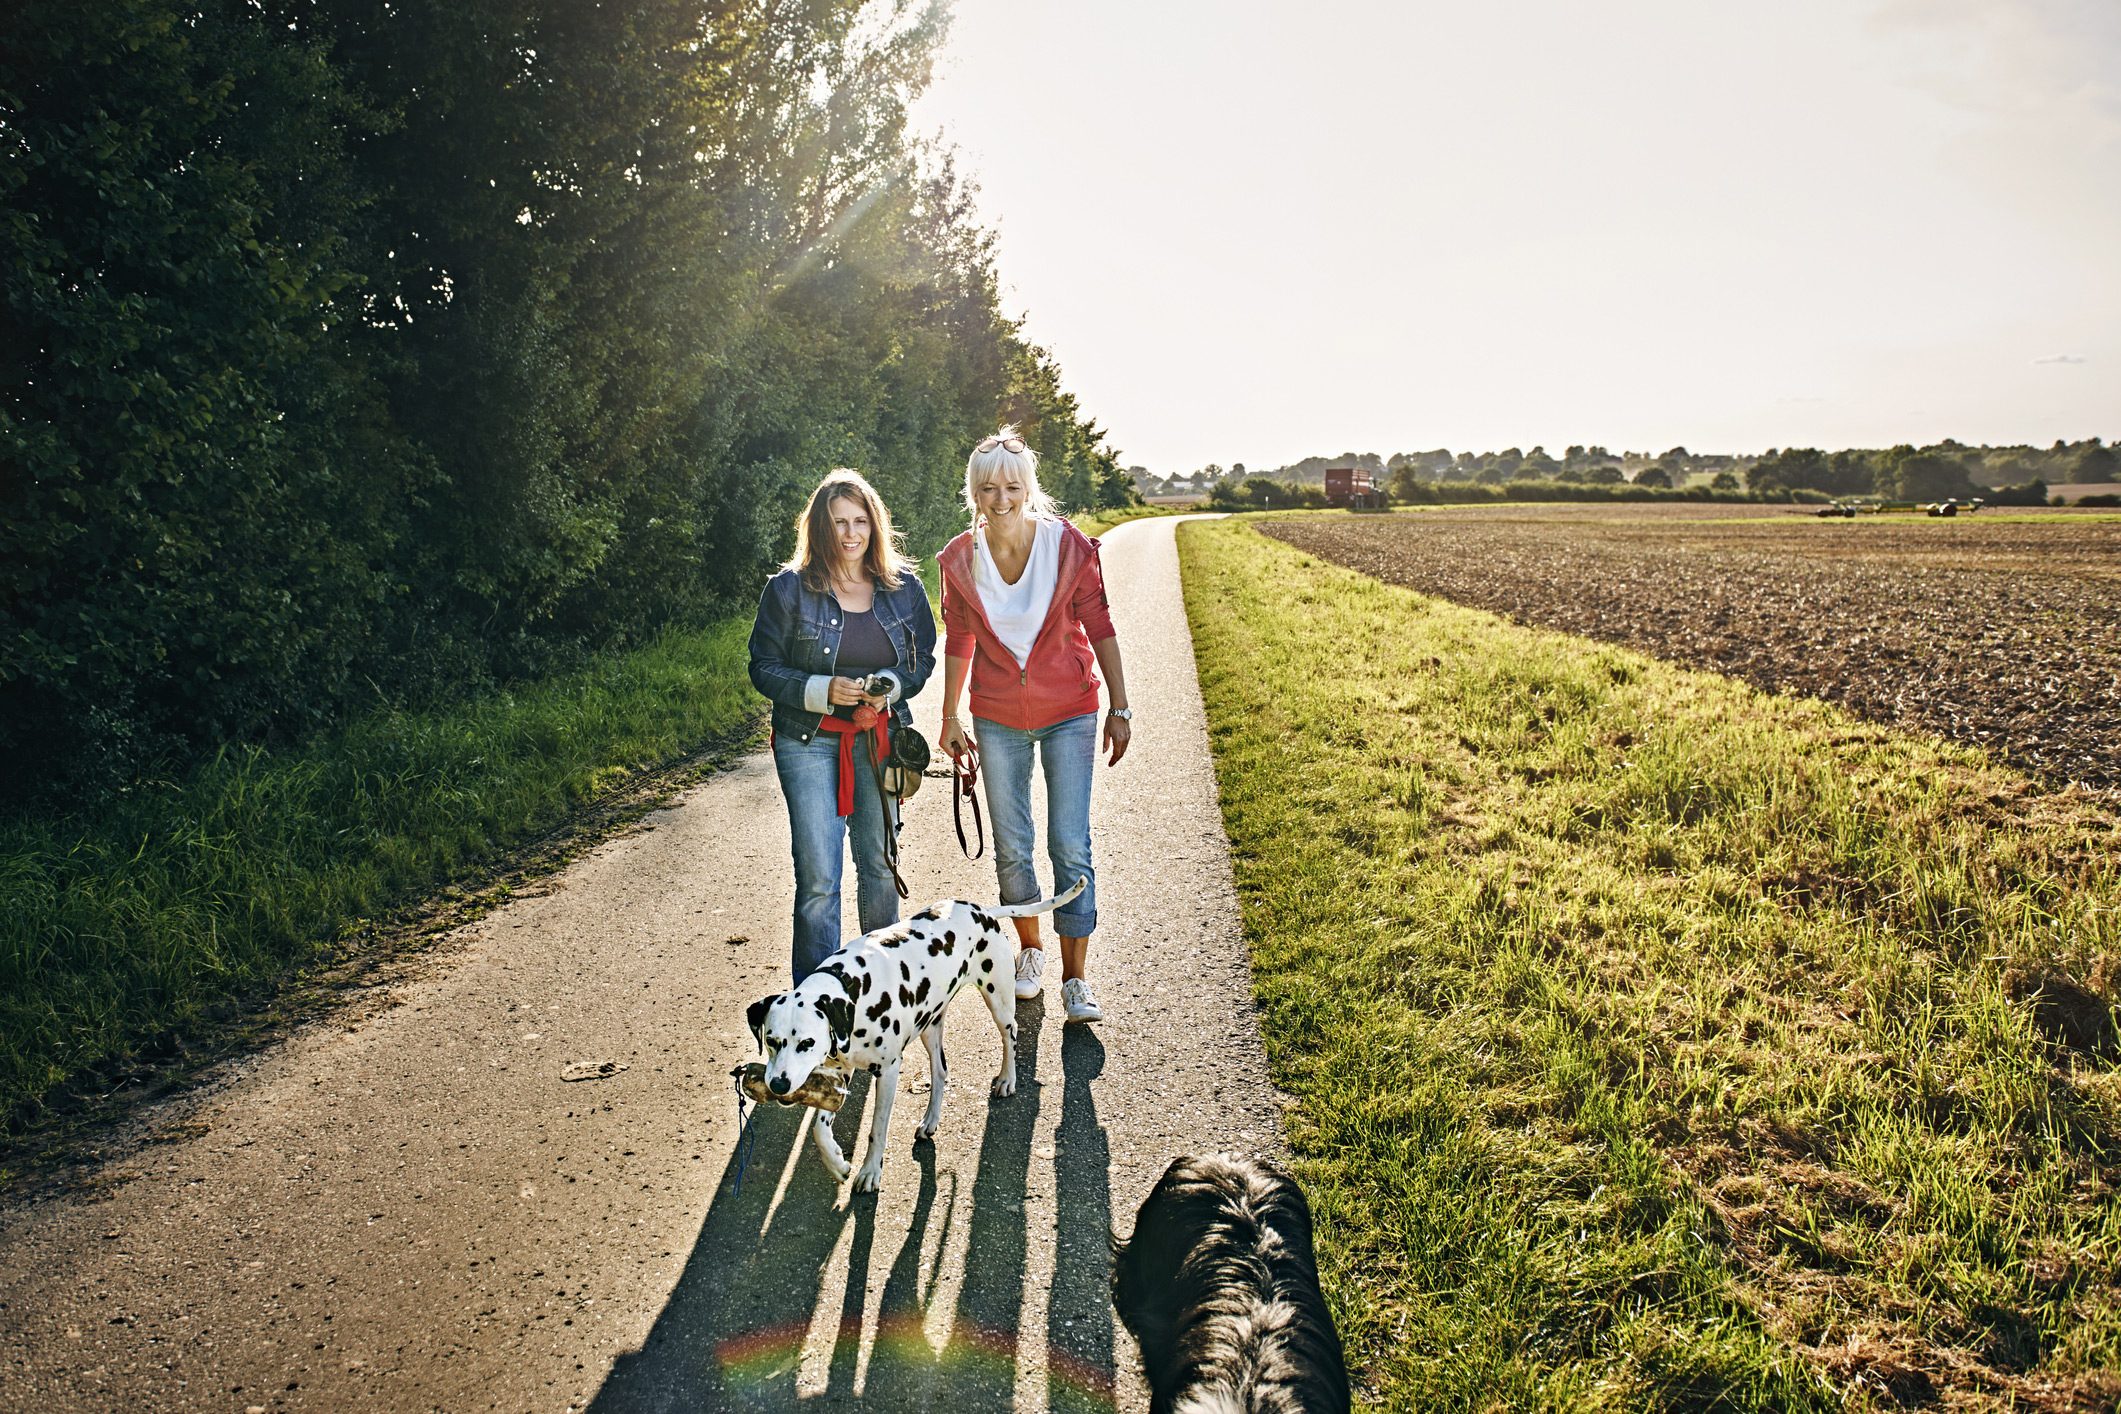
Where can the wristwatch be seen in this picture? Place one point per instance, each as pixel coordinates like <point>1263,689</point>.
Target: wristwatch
<point>1125,714</point>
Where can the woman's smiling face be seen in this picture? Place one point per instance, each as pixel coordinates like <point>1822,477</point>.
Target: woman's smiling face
<point>850,532</point>
<point>1000,494</point>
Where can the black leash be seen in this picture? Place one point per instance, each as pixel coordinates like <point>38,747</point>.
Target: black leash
<point>965,771</point>
<point>883,801</point>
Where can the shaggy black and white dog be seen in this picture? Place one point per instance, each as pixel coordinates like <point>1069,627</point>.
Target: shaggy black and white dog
<point>1220,1288</point>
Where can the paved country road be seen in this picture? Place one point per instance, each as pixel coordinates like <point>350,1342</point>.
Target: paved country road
<point>406,1208</point>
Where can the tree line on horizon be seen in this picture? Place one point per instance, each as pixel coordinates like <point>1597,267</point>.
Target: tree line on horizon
<point>2018,475</point>
<point>359,353</point>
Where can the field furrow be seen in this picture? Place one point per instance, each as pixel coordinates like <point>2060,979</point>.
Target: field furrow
<point>1998,633</point>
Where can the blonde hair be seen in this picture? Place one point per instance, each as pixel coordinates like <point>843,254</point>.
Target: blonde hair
<point>981,465</point>
<point>885,559</point>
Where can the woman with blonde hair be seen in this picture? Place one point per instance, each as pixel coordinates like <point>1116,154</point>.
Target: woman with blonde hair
<point>843,638</point>
<point>1025,615</point>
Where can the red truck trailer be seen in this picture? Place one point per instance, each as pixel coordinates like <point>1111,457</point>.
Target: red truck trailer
<point>1353,487</point>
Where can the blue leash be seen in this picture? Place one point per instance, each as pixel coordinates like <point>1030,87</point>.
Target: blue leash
<point>743,1133</point>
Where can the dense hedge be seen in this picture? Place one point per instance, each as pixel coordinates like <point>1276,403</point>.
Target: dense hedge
<point>1261,493</point>
<point>357,352</point>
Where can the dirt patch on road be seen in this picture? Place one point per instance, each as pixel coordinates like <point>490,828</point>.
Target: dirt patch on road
<point>1998,633</point>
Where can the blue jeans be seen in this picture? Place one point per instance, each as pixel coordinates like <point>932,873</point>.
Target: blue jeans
<point>1068,752</point>
<point>818,833</point>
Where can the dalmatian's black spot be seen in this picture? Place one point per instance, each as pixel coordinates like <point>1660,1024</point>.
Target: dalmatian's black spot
<point>875,1069</point>
<point>883,1004</point>
<point>929,912</point>
<point>949,936</point>
<point>805,1044</point>
<point>905,973</point>
<point>986,964</point>
<point>867,980</point>
<point>839,1016</point>
<point>906,997</point>
<point>920,993</point>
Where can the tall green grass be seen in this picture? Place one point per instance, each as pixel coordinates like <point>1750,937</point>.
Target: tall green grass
<point>187,900</point>
<point>1658,1044</point>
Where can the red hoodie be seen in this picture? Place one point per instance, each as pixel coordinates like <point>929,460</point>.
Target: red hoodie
<point>1059,680</point>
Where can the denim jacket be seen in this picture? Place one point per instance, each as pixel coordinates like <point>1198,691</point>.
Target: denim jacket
<point>795,648</point>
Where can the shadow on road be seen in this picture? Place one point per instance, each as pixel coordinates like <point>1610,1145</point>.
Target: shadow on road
<point>733,1332</point>
<point>731,1335</point>
<point>1079,1313</point>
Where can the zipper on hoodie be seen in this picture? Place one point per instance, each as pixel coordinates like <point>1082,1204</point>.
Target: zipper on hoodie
<point>1023,671</point>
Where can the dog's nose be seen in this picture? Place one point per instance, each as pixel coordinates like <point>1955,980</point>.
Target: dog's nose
<point>778,1085</point>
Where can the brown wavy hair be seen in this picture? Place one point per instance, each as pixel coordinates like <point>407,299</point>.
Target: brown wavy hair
<point>885,559</point>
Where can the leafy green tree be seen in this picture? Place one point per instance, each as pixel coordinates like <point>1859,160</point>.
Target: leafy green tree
<point>202,493</point>
<point>1910,475</point>
<point>349,348</point>
<point>1807,468</point>
<point>2095,463</point>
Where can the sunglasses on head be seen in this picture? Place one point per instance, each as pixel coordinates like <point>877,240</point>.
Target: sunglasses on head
<point>1007,444</point>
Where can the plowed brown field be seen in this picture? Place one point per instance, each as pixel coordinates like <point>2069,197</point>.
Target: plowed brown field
<point>1992,632</point>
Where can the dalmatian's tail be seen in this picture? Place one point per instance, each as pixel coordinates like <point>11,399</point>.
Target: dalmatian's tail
<point>1042,905</point>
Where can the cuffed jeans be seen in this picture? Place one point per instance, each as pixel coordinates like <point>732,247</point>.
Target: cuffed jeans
<point>818,833</point>
<point>1068,752</point>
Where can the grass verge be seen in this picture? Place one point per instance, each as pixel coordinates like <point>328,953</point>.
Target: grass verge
<point>1658,1044</point>
<point>189,902</point>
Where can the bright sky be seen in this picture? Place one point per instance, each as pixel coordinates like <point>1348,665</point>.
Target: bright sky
<point>1257,231</point>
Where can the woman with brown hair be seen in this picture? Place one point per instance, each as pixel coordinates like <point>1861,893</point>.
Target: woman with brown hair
<point>843,638</point>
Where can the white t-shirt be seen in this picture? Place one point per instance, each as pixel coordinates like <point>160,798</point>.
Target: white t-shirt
<point>1017,611</point>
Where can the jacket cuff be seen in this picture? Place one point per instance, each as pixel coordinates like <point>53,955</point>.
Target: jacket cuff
<point>817,694</point>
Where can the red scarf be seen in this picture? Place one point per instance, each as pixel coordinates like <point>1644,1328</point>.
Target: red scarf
<point>865,719</point>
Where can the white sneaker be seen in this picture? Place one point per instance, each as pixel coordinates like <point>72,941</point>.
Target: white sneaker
<point>1081,1004</point>
<point>1030,962</point>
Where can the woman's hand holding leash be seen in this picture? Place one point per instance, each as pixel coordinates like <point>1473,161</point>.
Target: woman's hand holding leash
<point>846,692</point>
<point>964,772</point>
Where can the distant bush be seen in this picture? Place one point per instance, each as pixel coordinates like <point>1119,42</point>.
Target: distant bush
<point>1434,493</point>
<point>2104,498</point>
<point>1257,493</point>
<point>2032,493</point>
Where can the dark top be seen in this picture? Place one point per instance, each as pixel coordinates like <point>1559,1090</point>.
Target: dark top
<point>797,636</point>
<point>864,647</point>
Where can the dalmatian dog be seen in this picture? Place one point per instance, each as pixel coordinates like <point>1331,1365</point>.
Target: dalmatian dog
<point>865,1003</point>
